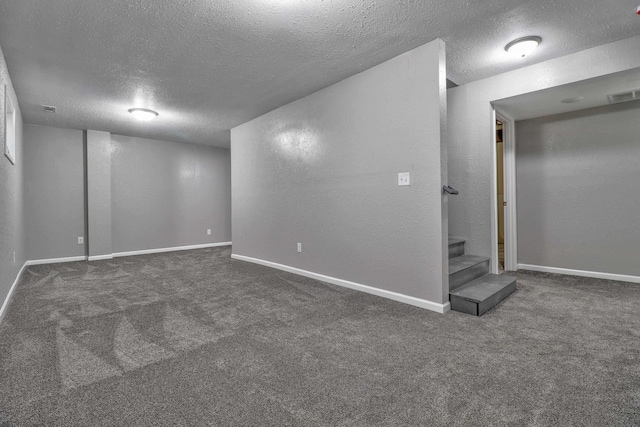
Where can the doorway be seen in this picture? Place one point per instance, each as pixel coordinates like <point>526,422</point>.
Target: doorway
<point>500,192</point>
<point>504,227</point>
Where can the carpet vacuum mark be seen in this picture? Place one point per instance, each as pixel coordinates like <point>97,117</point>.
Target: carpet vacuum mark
<point>195,338</point>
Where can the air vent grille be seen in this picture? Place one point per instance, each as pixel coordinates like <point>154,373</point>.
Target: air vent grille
<point>624,96</point>
<point>49,108</point>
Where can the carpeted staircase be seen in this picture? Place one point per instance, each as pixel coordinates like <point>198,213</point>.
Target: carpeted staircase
<point>472,289</point>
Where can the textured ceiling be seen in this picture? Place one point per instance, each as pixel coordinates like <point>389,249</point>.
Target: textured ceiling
<point>209,65</point>
<point>593,93</point>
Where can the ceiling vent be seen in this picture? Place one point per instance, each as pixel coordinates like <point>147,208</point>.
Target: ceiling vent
<point>624,96</point>
<point>49,108</point>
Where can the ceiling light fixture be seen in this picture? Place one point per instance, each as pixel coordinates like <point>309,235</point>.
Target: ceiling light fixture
<point>143,114</point>
<point>523,46</point>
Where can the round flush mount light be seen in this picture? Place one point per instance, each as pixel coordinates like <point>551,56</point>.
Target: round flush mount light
<point>523,46</point>
<point>143,114</point>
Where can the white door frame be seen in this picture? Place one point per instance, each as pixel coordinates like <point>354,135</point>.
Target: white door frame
<point>510,211</point>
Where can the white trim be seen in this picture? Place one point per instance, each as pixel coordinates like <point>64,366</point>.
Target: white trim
<point>509,177</point>
<point>56,260</point>
<point>429,305</point>
<point>5,304</point>
<point>493,195</point>
<point>177,248</point>
<point>121,254</point>
<point>100,257</point>
<point>583,273</point>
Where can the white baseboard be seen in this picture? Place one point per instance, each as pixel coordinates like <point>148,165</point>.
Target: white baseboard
<point>583,273</point>
<point>429,305</point>
<point>56,260</point>
<point>121,254</point>
<point>99,257</point>
<point>10,294</point>
<point>177,248</point>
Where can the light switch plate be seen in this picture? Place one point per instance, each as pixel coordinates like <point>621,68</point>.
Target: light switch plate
<point>404,178</point>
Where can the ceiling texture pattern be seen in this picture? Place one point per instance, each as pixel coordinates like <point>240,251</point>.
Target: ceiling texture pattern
<point>209,65</point>
<point>581,96</point>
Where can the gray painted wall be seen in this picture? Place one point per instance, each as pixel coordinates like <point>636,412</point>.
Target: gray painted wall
<point>54,192</point>
<point>11,195</point>
<point>167,194</point>
<point>141,193</point>
<point>471,141</point>
<point>322,171</point>
<point>578,180</point>
<point>99,193</point>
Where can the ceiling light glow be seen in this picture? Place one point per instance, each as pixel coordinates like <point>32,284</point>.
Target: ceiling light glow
<point>523,46</point>
<point>143,114</point>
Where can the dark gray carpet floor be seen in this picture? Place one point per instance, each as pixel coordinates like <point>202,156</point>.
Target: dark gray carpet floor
<point>195,339</point>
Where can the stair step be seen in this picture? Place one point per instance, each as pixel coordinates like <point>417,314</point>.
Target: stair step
<point>455,240</point>
<point>482,294</point>
<point>456,247</point>
<point>465,268</point>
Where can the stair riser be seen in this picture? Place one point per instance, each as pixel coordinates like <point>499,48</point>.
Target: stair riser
<point>478,309</point>
<point>468,274</point>
<point>456,249</point>
<point>463,306</point>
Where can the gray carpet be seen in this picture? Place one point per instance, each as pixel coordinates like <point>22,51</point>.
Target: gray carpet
<point>195,338</point>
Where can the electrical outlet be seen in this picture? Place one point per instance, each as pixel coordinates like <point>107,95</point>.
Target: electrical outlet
<point>299,247</point>
<point>404,178</point>
<point>81,240</point>
<point>208,232</point>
